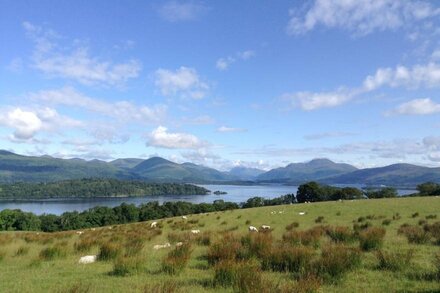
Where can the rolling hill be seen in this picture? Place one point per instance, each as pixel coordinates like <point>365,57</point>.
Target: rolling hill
<point>16,168</point>
<point>393,175</point>
<point>297,173</point>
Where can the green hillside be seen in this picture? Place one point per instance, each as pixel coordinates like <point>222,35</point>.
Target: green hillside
<point>332,262</point>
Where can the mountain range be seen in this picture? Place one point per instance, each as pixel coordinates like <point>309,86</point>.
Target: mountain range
<point>14,167</point>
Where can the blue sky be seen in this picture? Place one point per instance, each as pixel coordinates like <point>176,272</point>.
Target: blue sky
<point>222,83</point>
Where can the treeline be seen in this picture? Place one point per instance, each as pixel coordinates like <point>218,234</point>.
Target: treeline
<point>17,220</point>
<point>95,188</point>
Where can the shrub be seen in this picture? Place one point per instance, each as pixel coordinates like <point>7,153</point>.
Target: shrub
<point>361,219</point>
<point>335,261</point>
<point>134,246</point>
<point>422,222</point>
<point>358,228</point>
<point>434,231</point>
<point>244,276</point>
<point>308,237</point>
<point>386,222</point>
<point>203,238</point>
<point>126,266</point>
<point>340,234</point>
<point>109,251</point>
<point>176,259</point>
<point>53,252</point>
<point>248,222</point>
<point>228,248</point>
<point>224,223</point>
<point>338,213</point>
<point>415,215</point>
<point>371,238</point>
<point>414,234</point>
<point>430,217</point>
<point>288,259</point>
<point>394,261</point>
<point>307,284</point>
<point>319,219</point>
<point>291,226</point>
<point>396,216</point>
<point>84,244</point>
<point>257,244</point>
<point>165,287</point>
<point>23,250</point>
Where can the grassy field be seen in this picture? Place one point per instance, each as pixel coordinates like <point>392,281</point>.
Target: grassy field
<point>31,262</point>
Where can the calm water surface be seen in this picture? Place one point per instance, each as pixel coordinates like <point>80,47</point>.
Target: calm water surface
<point>236,193</point>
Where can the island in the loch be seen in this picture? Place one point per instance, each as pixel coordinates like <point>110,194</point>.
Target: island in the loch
<point>218,192</point>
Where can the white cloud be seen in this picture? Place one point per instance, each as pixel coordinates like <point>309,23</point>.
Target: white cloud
<point>76,64</point>
<point>230,129</point>
<point>324,135</point>
<point>418,76</point>
<point>28,123</point>
<point>183,81</point>
<point>360,17</point>
<point>121,110</point>
<point>417,107</point>
<point>311,101</point>
<point>162,138</point>
<point>224,63</point>
<point>425,75</point>
<point>175,11</point>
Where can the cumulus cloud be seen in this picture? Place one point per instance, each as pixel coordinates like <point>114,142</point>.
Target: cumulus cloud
<point>121,110</point>
<point>225,62</point>
<point>27,123</point>
<point>184,82</point>
<point>360,17</point>
<point>77,63</point>
<point>162,138</point>
<point>175,11</point>
<point>417,107</point>
<point>230,129</point>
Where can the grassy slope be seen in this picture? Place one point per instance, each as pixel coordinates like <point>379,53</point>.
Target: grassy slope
<point>17,275</point>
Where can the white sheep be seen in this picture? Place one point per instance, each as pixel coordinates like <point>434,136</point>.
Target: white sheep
<point>252,229</point>
<point>195,231</point>
<point>87,259</point>
<point>301,213</point>
<point>153,225</point>
<point>184,217</point>
<point>160,246</point>
<point>79,232</point>
<point>265,227</point>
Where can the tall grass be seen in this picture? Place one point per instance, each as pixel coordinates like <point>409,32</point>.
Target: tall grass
<point>109,251</point>
<point>340,234</point>
<point>53,252</point>
<point>125,266</point>
<point>285,258</point>
<point>394,261</point>
<point>335,262</point>
<point>310,237</point>
<point>177,259</point>
<point>415,234</point>
<point>371,238</point>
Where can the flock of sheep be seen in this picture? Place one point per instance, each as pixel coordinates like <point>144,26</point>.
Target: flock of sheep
<point>92,258</point>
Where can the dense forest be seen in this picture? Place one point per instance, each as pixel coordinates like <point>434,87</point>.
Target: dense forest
<point>95,188</point>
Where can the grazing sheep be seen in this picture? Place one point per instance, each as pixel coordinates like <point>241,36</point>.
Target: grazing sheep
<point>153,225</point>
<point>79,232</point>
<point>160,246</point>
<point>195,231</point>
<point>253,229</point>
<point>301,213</point>
<point>265,227</point>
<point>179,244</point>
<point>281,212</point>
<point>93,229</point>
<point>184,217</point>
<point>87,259</point>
